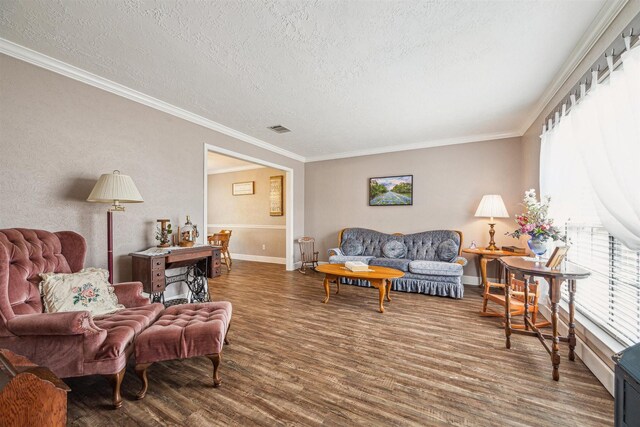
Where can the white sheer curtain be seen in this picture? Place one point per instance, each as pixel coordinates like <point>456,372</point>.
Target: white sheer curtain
<point>590,157</point>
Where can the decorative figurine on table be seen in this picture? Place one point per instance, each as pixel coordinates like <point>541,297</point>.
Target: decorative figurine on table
<point>188,234</point>
<point>163,233</point>
<point>536,223</point>
<point>473,245</point>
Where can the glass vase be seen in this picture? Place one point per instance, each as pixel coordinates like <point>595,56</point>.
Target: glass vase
<point>538,246</point>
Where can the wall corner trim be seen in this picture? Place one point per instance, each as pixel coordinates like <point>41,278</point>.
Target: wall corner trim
<point>40,60</point>
<point>416,146</point>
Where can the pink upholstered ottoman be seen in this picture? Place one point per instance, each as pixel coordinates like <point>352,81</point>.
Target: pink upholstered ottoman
<point>181,332</point>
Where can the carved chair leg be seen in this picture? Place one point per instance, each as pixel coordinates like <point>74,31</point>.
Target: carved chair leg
<point>226,340</point>
<point>215,359</point>
<point>116,382</point>
<point>141,371</point>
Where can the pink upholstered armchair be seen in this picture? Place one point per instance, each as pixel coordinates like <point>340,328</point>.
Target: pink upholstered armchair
<point>69,344</point>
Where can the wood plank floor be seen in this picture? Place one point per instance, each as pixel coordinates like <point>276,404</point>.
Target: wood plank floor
<point>295,361</point>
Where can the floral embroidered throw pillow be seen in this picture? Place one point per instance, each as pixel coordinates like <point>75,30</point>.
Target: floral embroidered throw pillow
<point>88,290</point>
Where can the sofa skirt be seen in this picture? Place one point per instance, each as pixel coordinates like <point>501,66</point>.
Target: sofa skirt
<point>453,289</point>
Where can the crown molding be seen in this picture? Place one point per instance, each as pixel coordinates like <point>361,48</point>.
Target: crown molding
<point>213,171</point>
<point>598,26</point>
<point>38,59</point>
<point>415,146</point>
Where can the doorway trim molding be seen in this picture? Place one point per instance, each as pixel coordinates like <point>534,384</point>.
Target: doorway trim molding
<point>289,254</point>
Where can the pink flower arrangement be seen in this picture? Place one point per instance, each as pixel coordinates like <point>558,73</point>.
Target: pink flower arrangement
<point>535,221</point>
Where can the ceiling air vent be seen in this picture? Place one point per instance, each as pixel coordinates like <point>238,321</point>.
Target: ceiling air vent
<point>279,129</point>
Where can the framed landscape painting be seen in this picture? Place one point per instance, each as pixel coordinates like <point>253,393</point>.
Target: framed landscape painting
<point>391,191</point>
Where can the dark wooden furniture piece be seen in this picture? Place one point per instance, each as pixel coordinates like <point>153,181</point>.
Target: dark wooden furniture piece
<point>517,302</point>
<point>627,387</point>
<point>151,269</point>
<point>555,278</point>
<point>30,395</point>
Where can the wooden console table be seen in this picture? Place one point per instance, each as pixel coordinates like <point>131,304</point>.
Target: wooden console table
<point>555,278</point>
<point>150,268</point>
<point>487,255</point>
<point>30,395</point>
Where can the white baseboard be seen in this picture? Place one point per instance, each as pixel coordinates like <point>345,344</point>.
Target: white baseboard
<point>298,264</point>
<point>259,258</point>
<point>475,280</point>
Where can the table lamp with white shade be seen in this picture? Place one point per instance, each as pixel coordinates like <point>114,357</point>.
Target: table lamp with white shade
<point>492,206</point>
<point>114,188</point>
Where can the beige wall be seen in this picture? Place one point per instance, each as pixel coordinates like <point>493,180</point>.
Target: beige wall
<point>531,138</point>
<point>250,210</point>
<point>58,135</point>
<point>448,185</point>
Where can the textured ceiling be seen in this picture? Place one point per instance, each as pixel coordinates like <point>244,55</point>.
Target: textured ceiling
<point>342,75</point>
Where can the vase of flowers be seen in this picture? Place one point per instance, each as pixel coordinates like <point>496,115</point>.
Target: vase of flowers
<point>536,223</point>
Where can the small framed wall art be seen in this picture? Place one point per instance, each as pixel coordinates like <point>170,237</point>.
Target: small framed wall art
<point>243,188</point>
<point>275,196</point>
<point>391,191</point>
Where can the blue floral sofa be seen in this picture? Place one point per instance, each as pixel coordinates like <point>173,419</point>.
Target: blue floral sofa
<point>430,260</point>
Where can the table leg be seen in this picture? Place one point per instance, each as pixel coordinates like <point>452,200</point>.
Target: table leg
<point>555,346</point>
<point>526,302</point>
<point>382,290</point>
<point>572,325</point>
<point>507,314</point>
<point>483,270</point>
<point>388,285</point>
<point>326,290</point>
<point>337,285</point>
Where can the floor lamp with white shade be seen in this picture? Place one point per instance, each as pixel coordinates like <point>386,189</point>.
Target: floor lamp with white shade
<point>114,188</point>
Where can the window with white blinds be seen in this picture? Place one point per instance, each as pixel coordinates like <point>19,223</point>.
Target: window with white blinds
<point>610,297</point>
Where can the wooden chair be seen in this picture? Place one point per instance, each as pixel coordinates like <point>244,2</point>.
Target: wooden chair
<point>222,240</point>
<point>227,254</point>
<point>517,300</point>
<point>308,254</point>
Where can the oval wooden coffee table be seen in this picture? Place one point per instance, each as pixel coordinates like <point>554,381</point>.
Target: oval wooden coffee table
<point>379,277</point>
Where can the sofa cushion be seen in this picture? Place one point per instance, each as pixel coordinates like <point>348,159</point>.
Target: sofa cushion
<point>398,264</point>
<point>394,249</point>
<point>352,247</point>
<point>123,326</point>
<point>435,268</point>
<point>447,250</point>
<point>341,259</point>
<point>423,246</point>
